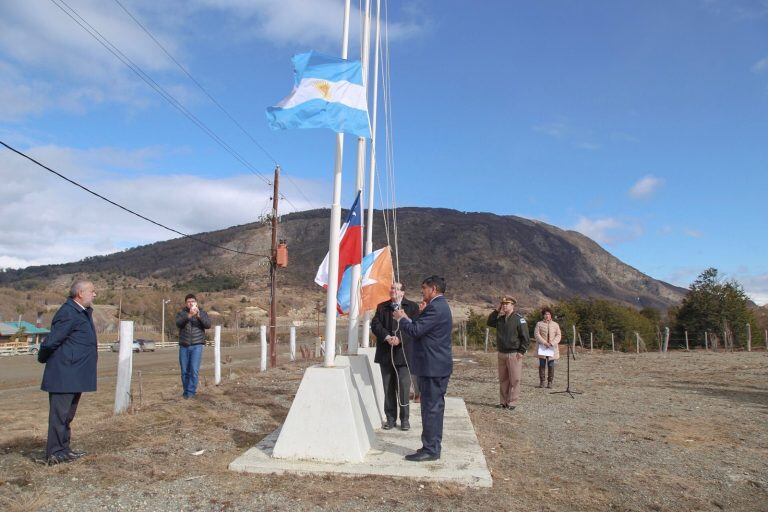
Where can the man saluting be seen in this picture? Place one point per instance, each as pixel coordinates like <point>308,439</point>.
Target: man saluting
<point>432,362</point>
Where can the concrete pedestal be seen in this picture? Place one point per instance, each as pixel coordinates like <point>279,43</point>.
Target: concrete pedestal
<point>363,380</point>
<point>378,385</point>
<point>327,421</point>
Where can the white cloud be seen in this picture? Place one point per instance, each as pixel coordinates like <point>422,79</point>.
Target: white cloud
<point>55,222</point>
<point>608,230</point>
<point>760,66</point>
<point>693,233</point>
<point>645,187</point>
<point>309,22</point>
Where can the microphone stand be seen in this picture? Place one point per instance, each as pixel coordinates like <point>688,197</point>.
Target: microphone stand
<point>570,353</point>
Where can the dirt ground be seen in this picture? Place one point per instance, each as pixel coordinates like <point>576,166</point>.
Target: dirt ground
<point>681,431</point>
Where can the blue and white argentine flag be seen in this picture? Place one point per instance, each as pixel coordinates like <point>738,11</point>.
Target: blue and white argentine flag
<point>328,93</point>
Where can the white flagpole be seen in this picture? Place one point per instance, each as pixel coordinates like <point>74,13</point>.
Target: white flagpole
<point>333,238</point>
<point>354,295</point>
<point>372,170</point>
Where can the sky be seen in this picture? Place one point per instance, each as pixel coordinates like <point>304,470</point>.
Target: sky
<point>643,125</point>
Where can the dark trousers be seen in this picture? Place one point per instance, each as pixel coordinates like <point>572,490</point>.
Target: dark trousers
<point>61,411</point>
<point>391,378</point>
<point>432,410</point>
<point>546,362</point>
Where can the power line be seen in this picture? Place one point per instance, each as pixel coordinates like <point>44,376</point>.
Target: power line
<point>114,50</point>
<point>113,203</point>
<point>214,101</point>
<point>198,84</point>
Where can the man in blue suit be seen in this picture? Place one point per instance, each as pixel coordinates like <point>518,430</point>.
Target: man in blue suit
<point>69,353</point>
<point>432,362</point>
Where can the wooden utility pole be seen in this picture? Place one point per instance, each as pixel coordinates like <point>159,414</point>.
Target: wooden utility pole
<point>273,276</point>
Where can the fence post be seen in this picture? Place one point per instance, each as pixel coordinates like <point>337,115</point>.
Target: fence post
<point>637,341</point>
<point>687,347</point>
<point>749,338</point>
<point>217,355</point>
<point>318,345</point>
<point>666,339</point>
<point>613,344</point>
<point>124,367</point>
<point>487,333</point>
<point>293,343</point>
<point>766,339</point>
<point>263,348</point>
<point>574,337</point>
<point>706,342</point>
<point>591,342</point>
<point>464,334</point>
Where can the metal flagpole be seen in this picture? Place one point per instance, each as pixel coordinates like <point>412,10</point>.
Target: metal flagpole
<point>372,171</point>
<point>354,295</point>
<point>333,239</point>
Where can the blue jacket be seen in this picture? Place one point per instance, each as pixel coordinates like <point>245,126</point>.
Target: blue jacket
<point>431,339</point>
<point>70,351</point>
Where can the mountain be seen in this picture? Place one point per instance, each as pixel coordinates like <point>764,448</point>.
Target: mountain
<point>481,255</point>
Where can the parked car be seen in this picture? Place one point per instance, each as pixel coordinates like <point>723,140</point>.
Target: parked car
<point>139,345</point>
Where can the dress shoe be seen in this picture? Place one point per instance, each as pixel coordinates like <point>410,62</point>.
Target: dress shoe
<point>501,406</point>
<point>389,425</point>
<point>76,454</point>
<point>511,407</point>
<point>421,457</point>
<point>405,425</point>
<point>62,458</point>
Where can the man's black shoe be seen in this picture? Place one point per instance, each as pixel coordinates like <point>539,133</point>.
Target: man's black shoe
<point>511,408</point>
<point>421,457</point>
<point>405,425</point>
<point>76,454</point>
<point>389,425</point>
<point>501,406</point>
<point>63,458</point>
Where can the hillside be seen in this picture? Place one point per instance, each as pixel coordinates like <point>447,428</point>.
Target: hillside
<point>482,256</point>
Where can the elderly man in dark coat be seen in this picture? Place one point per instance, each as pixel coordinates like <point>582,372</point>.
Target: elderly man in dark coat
<point>432,361</point>
<point>392,357</point>
<point>70,355</point>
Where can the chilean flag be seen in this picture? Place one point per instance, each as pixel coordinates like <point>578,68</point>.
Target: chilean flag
<point>350,245</point>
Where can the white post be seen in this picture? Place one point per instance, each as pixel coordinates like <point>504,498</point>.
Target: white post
<point>217,355</point>
<point>666,339</point>
<point>124,367</point>
<point>613,344</point>
<point>749,338</point>
<point>487,333</point>
<point>366,334</point>
<point>637,341</point>
<point>293,343</point>
<point>591,342</point>
<point>162,322</point>
<point>766,339</point>
<point>687,347</point>
<point>706,342</point>
<point>355,289</point>
<point>263,348</point>
<point>333,239</point>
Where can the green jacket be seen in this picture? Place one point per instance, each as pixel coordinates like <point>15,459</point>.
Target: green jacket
<point>511,332</point>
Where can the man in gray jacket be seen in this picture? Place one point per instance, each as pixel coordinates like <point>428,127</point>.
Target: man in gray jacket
<point>192,323</point>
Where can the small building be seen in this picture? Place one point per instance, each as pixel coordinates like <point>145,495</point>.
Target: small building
<point>33,334</point>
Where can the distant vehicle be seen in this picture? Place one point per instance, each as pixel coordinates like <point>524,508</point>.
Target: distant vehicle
<point>139,345</point>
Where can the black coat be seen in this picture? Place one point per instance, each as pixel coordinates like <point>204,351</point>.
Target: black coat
<point>192,330</point>
<point>383,325</point>
<point>431,333</point>
<point>70,351</point>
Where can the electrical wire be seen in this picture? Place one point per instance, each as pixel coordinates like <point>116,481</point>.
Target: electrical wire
<point>101,39</point>
<point>126,209</point>
<point>217,103</point>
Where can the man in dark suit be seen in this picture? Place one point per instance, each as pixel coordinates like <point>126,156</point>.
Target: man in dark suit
<point>70,354</point>
<point>392,357</point>
<point>432,361</point>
